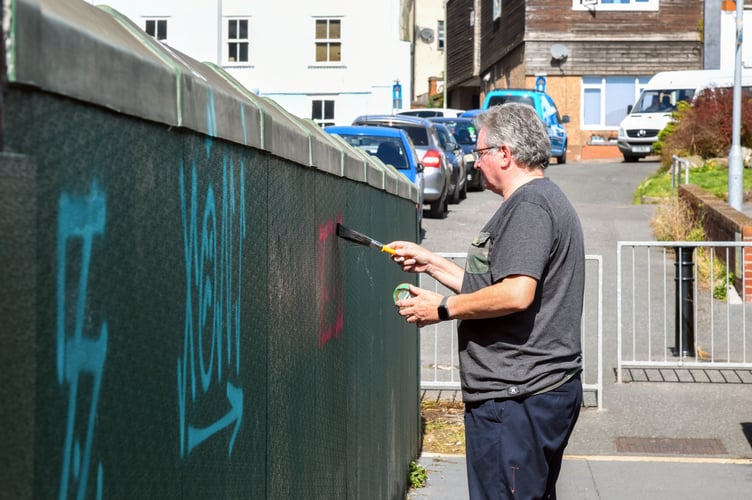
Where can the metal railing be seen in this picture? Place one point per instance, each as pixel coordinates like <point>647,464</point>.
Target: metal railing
<point>438,343</point>
<point>677,164</point>
<point>687,323</point>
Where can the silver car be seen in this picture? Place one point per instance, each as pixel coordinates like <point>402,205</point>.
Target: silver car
<point>437,171</point>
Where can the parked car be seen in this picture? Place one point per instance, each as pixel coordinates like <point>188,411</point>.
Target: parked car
<point>470,113</point>
<point>466,135</point>
<point>431,112</point>
<point>437,173</point>
<point>456,157</point>
<point>390,145</point>
<point>547,112</point>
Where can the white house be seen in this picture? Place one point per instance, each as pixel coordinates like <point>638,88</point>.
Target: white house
<point>728,39</point>
<point>329,60</point>
<point>430,49</point>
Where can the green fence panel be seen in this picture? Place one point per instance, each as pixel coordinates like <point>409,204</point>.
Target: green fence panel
<point>179,318</point>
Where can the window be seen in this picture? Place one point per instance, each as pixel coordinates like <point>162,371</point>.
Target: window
<point>328,40</point>
<point>605,99</point>
<point>157,28</point>
<point>237,40</point>
<point>496,9</point>
<point>322,112</point>
<point>634,5</point>
<point>440,37</point>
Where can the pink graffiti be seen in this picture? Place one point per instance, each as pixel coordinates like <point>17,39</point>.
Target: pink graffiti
<point>331,292</point>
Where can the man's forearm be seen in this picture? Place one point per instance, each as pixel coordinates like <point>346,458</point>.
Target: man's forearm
<point>447,273</point>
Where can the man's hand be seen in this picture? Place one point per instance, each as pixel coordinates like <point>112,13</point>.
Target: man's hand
<point>421,308</point>
<point>412,257</point>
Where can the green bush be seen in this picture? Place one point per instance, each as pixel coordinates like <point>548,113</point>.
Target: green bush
<point>418,475</point>
<point>705,128</point>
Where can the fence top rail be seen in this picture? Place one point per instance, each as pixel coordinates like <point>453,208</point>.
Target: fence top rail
<point>462,255</point>
<point>99,56</point>
<point>684,244</point>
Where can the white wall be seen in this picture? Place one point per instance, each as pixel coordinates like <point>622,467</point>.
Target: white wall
<point>728,39</point>
<point>282,57</point>
<point>429,60</point>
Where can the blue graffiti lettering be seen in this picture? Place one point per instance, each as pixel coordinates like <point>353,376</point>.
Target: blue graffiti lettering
<point>212,306</point>
<point>80,218</point>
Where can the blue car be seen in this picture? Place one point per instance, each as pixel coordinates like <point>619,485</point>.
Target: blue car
<point>547,112</point>
<point>390,145</point>
<point>470,113</point>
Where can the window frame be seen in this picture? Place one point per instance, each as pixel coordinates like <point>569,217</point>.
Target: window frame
<point>328,41</point>
<point>496,9</point>
<point>639,83</point>
<point>633,5</point>
<point>238,41</point>
<point>323,120</point>
<point>440,34</point>
<point>156,21</point>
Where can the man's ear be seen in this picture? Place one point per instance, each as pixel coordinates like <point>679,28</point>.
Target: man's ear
<point>506,155</point>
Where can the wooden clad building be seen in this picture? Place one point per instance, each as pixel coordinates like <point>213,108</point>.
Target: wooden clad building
<point>594,55</point>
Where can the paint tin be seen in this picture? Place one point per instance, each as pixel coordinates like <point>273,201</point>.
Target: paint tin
<point>401,292</point>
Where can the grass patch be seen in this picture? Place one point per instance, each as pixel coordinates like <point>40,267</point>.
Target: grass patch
<point>711,177</point>
<point>443,427</point>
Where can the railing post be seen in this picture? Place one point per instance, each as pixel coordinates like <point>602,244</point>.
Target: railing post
<point>674,162</point>
<point>684,324</point>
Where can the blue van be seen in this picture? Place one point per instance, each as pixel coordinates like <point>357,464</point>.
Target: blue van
<point>547,112</point>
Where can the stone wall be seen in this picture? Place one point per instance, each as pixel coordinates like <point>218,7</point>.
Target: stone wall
<point>723,223</point>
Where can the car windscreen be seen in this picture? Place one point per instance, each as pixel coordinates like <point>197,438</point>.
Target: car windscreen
<point>423,113</point>
<point>661,101</point>
<point>419,135</point>
<point>464,132</point>
<point>503,99</point>
<point>389,150</point>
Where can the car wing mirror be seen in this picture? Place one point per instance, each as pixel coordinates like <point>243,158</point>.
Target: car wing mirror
<point>565,119</point>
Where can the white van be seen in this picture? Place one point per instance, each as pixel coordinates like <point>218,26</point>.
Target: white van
<point>652,111</point>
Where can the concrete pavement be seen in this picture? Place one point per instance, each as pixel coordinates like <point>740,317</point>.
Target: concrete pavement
<point>652,441</point>
<point>613,478</point>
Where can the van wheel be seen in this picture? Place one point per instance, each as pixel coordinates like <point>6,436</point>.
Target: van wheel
<point>631,159</point>
<point>561,160</point>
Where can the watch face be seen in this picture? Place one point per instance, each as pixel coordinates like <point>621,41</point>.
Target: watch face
<point>443,311</point>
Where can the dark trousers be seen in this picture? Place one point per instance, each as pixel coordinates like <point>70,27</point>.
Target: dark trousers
<point>515,446</point>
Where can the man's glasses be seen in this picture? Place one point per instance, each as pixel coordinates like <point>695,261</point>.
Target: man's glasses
<point>480,152</point>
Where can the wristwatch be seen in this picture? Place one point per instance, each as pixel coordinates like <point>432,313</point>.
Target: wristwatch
<point>443,309</point>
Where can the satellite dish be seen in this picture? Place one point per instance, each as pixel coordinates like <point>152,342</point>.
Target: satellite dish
<point>426,34</point>
<point>559,52</point>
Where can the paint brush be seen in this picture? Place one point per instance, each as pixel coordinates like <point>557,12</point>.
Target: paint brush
<point>362,239</point>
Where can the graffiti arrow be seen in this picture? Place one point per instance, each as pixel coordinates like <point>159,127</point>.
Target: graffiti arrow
<point>197,435</point>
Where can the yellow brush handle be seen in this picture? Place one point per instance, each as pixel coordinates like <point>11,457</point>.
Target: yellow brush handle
<point>389,250</point>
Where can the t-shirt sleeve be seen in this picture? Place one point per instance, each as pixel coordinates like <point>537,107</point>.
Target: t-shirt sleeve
<point>522,242</point>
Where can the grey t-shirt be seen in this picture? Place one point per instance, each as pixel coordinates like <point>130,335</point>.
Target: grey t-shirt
<point>537,233</point>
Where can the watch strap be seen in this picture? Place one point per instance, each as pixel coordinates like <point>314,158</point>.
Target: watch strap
<point>443,309</point>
